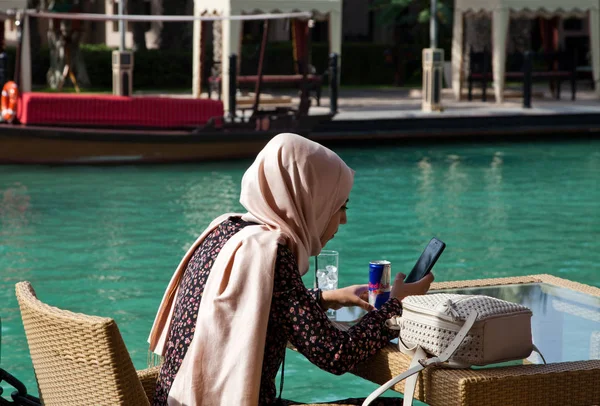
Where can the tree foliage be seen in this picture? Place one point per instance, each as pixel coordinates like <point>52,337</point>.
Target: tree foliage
<point>409,19</point>
<point>136,7</point>
<point>410,12</point>
<point>177,36</point>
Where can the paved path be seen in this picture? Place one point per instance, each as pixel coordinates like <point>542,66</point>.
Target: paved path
<point>373,104</point>
<point>398,103</point>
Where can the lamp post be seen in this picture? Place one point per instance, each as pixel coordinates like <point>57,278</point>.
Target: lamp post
<point>433,65</point>
<point>121,26</point>
<point>122,62</point>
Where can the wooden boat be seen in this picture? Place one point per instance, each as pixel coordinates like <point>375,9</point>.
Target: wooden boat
<point>56,128</point>
<point>31,144</point>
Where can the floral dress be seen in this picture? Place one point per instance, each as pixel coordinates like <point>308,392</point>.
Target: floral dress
<point>296,316</point>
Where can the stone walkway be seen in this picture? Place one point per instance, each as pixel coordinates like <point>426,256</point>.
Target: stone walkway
<point>402,103</point>
<point>397,103</point>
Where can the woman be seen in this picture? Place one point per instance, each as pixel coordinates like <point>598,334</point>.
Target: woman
<point>237,297</point>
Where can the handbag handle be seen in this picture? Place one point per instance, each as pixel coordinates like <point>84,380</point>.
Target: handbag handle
<point>425,362</point>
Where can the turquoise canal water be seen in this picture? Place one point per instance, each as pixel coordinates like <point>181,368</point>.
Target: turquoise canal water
<point>105,240</point>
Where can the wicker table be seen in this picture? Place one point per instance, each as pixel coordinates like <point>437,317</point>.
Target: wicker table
<point>557,383</point>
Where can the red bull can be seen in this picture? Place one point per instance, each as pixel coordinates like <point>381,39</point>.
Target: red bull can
<point>380,277</point>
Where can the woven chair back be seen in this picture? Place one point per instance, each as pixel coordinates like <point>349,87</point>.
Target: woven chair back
<point>78,359</point>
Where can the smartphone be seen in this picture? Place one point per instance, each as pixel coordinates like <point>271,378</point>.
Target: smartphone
<point>426,261</point>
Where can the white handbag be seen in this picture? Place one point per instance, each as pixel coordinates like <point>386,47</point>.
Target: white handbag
<point>458,331</point>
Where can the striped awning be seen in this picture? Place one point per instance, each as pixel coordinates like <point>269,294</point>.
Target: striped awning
<point>529,8</point>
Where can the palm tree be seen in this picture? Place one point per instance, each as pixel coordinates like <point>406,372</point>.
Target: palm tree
<point>136,7</point>
<point>63,40</point>
<point>177,36</point>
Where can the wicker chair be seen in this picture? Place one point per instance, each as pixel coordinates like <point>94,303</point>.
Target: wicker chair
<point>80,359</point>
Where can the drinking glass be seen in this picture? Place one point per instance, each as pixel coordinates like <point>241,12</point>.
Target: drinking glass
<point>326,273</point>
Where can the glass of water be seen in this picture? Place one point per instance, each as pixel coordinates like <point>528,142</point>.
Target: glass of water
<point>326,275</point>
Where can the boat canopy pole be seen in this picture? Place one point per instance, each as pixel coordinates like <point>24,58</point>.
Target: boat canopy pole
<point>156,18</point>
<point>304,96</point>
<point>17,73</point>
<point>261,61</point>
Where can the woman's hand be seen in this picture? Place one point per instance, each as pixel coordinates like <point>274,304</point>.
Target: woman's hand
<point>400,289</point>
<point>355,295</point>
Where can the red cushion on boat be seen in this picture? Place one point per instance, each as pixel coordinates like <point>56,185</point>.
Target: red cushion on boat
<point>108,110</point>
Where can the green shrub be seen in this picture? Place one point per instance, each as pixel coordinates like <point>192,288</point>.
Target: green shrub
<point>39,65</point>
<point>152,69</point>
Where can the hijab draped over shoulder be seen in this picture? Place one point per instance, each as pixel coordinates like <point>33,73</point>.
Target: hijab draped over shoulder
<point>292,190</point>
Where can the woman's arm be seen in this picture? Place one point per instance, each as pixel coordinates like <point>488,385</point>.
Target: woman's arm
<point>310,331</point>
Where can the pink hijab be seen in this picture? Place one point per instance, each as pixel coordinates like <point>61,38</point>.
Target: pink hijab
<point>292,190</point>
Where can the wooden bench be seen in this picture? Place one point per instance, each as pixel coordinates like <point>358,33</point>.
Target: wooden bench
<point>553,67</point>
<point>314,83</point>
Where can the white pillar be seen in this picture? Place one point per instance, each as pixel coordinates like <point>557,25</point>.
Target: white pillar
<point>197,49</point>
<point>335,36</point>
<point>457,53</point>
<point>231,45</point>
<point>500,20</point>
<point>595,47</point>
<point>25,78</point>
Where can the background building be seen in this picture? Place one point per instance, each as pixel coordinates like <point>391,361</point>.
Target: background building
<point>358,25</point>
